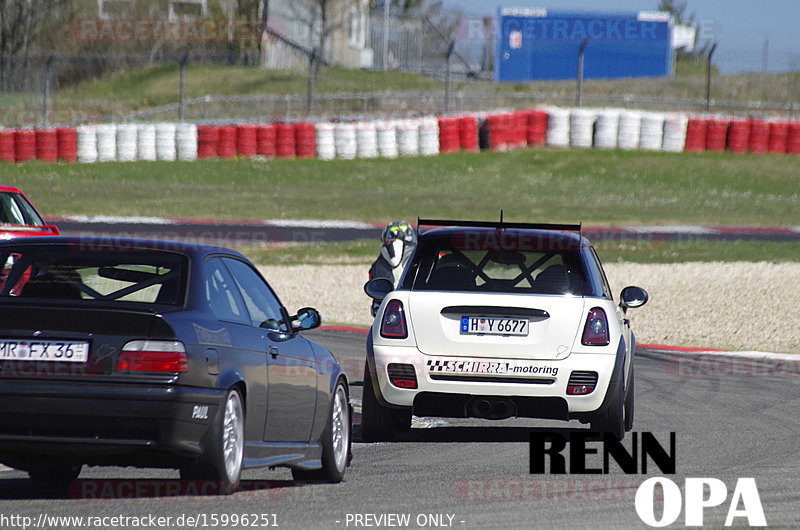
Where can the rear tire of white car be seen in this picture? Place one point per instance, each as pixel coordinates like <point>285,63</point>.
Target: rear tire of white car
<point>378,422</point>
<point>612,421</point>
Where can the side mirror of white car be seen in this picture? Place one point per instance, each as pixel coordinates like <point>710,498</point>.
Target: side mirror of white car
<point>378,288</point>
<point>633,296</point>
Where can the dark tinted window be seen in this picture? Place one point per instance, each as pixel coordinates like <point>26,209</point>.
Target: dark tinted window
<point>222,295</point>
<point>104,275</point>
<point>597,274</point>
<point>262,304</point>
<point>509,265</point>
<point>15,210</point>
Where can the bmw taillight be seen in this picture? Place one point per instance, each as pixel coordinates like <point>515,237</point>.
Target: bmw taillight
<point>393,324</point>
<point>595,332</point>
<point>153,356</point>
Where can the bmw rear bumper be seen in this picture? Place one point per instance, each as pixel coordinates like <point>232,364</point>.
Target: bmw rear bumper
<point>104,423</point>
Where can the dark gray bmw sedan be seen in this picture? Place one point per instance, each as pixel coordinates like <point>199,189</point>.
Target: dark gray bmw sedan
<point>160,354</point>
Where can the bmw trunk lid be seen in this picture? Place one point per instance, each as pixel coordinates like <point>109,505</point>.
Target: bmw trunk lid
<point>495,325</point>
<point>65,332</point>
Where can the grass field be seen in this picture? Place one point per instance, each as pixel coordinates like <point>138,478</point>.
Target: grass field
<point>541,185</point>
<point>621,188</point>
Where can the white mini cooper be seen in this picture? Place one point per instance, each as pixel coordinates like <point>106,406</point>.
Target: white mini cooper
<point>499,320</point>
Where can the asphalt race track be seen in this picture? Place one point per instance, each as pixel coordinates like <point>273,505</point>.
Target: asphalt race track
<point>732,419</point>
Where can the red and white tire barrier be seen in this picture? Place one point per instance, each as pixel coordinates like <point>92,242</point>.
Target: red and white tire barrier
<point>555,127</point>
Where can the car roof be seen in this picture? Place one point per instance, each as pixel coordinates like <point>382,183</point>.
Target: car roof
<point>10,189</point>
<point>125,244</point>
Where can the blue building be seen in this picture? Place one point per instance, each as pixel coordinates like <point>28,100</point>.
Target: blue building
<point>541,44</point>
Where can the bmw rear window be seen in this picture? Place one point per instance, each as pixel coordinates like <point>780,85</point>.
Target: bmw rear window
<point>103,275</point>
<point>509,265</point>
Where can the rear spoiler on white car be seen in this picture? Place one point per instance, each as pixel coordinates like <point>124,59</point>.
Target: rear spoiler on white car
<point>499,225</point>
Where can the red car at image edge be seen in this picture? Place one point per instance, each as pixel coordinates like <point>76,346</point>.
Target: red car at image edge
<point>18,217</point>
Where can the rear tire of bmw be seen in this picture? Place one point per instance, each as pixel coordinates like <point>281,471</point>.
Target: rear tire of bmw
<point>379,423</point>
<point>224,447</point>
<point>55,473</point>
<point>612,421</point>
<point>335,442</point>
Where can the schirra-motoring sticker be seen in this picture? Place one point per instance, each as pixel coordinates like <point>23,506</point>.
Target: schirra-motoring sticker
<point>486,366</point>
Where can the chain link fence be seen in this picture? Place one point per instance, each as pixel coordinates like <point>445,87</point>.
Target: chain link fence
<point>407,104</point>
<point>28,100</point>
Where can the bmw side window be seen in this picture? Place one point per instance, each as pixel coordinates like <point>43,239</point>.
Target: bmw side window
<point>222,295</point>
<point>261,302</point>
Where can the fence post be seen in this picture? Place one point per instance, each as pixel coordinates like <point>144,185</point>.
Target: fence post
<point>447,76</point>
<point>708,77</point>
<point>385,55</point>
<point>184,60</point>
<point>578,92</point>
<point>312,59</point>
<point>48,70</point>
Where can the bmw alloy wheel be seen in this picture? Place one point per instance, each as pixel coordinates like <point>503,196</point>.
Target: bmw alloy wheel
<point>233,436</point>
<point>340,428</point>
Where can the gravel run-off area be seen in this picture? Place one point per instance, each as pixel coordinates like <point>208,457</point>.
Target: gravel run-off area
<point>731,306</point>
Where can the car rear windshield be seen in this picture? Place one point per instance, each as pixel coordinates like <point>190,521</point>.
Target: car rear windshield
<point>443,264</point>
<point>108,276</point>
<point>15,210</point>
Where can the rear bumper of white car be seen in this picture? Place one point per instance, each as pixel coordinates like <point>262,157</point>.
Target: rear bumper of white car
<point>492,388</point>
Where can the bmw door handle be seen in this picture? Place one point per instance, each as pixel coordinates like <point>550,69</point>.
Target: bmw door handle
<point>273,351</point>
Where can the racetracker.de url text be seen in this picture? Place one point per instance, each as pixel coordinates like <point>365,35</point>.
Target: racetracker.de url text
<point>200,520</point>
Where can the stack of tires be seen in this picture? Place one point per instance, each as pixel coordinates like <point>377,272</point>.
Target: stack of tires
<point>366,139</point>
<point>449,135</point>
<point>25,145</point>
<point>127,142</point>
<point>7,150</point>
<point>326,146</point>
<point>557,127</point>
<point>47,145</point>
<point>606,129</point>
<point>629,130</point>
<point>305,140</point>
<point>285,140</point>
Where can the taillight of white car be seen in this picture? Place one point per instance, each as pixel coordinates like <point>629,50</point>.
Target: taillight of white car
<point>393,324</point>
<point>595,332</point>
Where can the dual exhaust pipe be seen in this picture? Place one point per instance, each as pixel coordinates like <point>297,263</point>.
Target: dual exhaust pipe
<point>492,408</point>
